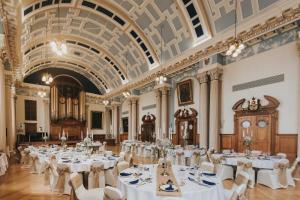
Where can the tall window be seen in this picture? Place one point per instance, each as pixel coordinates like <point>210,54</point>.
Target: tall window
<point>96,120</point>
<point>30,110</point>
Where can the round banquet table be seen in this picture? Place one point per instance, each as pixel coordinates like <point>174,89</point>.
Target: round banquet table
<point>189,191</point>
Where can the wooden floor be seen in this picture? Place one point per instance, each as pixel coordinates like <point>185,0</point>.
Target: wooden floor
<point>19,184</point>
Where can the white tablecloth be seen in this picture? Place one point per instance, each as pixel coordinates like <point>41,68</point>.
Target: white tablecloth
<point>262,163</point>
<point>3,163</point>
<point>190,191</point>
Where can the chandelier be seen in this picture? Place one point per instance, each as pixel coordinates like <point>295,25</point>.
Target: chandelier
<point>105,102</point>
<point>236,47</point>
<point>59,47</point>
<point>41,94</point>
<point>126,94</point>
<point>47,78</point>
<point>161,79</point>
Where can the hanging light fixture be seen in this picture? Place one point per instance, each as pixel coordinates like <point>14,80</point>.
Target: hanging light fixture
<point>105,102</point>
<point>236,47</point>
<point>41,94</point>
<point>126,94</point>
<point>58,46</point>
<point>47,78</point>
<point>161,78</point>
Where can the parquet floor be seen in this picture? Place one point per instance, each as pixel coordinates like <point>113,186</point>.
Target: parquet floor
<point>19,184</point>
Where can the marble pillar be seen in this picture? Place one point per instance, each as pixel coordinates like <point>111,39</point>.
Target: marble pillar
<point>107,120</point>
<point>129,120</point>
<point>115,132</point>
<point>203,109</point>
<point>164,111</point>
<point>158,113</point>
<point>10,116</point>
<point>214,111</point>
<point>133,118</point>
<point>2,108</point>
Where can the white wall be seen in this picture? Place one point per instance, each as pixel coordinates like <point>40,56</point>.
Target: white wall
<point>281,60</point>
<point>42,111</point>
<point>98,108</point>
<point>146,99</point>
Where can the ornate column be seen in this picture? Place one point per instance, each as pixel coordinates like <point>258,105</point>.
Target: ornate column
<point>158,112</point>
<point>2,107</point>
<point>133,117</point>
<point>46,116</point>
<point>214,115</point>
<point>203,111</point>
<point>164,111</point>
<point>10,113</point>
<point>115,132</point>
<point>129,120</point>
<point>107,119</point>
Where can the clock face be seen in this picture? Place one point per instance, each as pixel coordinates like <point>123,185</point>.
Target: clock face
<point>246,124</point>
<point>261,123</point>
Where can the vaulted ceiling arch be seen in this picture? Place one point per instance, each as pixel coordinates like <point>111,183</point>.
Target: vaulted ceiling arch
<point>99,58</point>
<point>77,64</point>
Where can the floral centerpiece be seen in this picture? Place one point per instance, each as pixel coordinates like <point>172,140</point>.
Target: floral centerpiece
<point>87,141</point>
<point>45,137</point>
<point>247,141</point>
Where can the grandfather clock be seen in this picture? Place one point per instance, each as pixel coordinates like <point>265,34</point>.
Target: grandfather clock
<point>260,122</point>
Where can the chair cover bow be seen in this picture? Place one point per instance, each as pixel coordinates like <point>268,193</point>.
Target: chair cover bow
<point>62,172</point>
<point>47,170</point>
<point>282,177</point>
<point>97,170</point>
<point>34,159</point>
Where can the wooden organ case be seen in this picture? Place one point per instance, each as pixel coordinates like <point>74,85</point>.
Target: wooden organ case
<point>260,122</point>
<point>67,108</point>
<point>148,128</point>
<point>186,127</point>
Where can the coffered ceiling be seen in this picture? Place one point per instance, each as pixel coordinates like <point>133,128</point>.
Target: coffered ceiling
<point>113,42</point>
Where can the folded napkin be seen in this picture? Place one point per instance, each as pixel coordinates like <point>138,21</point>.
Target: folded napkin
<point>208,182</point>
<point>193,174</point>
<point>125,174</point>
<point>209,174</point>
<point>169,188</point>
<point>134,182</point>
<point>111,158</point>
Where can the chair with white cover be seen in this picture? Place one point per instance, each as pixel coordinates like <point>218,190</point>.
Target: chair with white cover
<point>295,169</point>
<point>111,193</point>
<point>80,193</point>
<point>195,159</point>
<point>147,151</point>
<point>246,167</point>
<point>50,175</point>
<point>279,177</point>
<point>35,164</point>
<point>281,155</point>
<point>111,176</point>
<point>238,190</point>
<point>25,155</point>
<point>180,159</point>
<point>223,171</point>
<point>96,177</point>
<point>123,147</point>
<point>122,165</point>
<point>63,173</point>
<point>207,167</point>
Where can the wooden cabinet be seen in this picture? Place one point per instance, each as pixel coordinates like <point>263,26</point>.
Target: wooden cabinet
<point>186,127</point>
<point>148,128</point>
<point>259,122</point>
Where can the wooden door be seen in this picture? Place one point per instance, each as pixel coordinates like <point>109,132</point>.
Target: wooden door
<point>262,135</point>
<point>246,126</point>
<point>147,132</point>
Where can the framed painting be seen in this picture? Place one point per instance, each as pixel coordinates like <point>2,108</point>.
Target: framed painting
<point>185,92</point>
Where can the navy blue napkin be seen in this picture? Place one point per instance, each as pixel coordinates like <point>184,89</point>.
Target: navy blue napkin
<point>209,174</point>
<point>208,182</point>
<point>169,188</point>
<point>125,174</point>
<point>134,182</point>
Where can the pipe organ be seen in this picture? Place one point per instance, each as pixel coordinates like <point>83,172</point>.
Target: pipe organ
<point>67,103</point>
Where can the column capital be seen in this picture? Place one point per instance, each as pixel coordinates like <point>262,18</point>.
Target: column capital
<point>215,73</point>
<point>115,104</point>
<point>202,77</point>
<point>133,98</point>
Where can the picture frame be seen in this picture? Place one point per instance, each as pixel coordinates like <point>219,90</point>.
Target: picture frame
<point>185,92</point>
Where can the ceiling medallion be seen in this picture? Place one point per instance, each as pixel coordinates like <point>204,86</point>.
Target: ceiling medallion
<point>47,78</point>
<point>237,46</point>
<point>59,47</point>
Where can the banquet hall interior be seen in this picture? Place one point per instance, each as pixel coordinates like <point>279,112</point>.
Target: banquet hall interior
<point>149,99</point>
